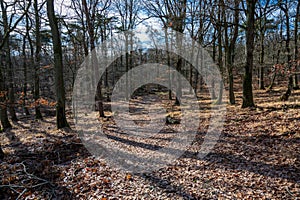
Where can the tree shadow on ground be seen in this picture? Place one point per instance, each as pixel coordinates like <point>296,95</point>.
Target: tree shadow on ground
<point>235,162</point>
<point>36,167</point>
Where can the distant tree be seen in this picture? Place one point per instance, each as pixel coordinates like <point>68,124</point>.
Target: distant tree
<point>128,11</point>
<point>218,27</point>
<point>37,60</point>
<point>91,10</point>
<point>158,9</point>
<point>25,64</point>
<point>264,8</point>
<point>61,120</point>
<point>199,26</point>
<point>277,42</point>
<point>284,6</point>
<point>231,30</point>
<point>7,61</point>
<point>177,12</point>
<point>9,26</point>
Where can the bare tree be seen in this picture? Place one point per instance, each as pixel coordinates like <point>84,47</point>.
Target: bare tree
<point>8,63</point>
<point>157,9</point>
<point>198,25</point>
<point>284,6</point>
<point>296,51</point>
<point>61,120</point>
<point>9,25</point>
<point>262,28</point>
<point>5,51</point>
<point>230,41</point>
<point>128,11</point>
<point>25,63</point>
<point>91,12</point>
<point>218,27</point>
<point>250,30</point>
<point>37,59</point>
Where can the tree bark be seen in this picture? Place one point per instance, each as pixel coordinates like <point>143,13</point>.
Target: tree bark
<point>220,53</point>
<point>90,18</point>
<point>296,52</point>
<point>1,153</point>
<point>262,52</point>
<point>288,92</point>
<point>37,60</point>
<point>263,28</point>
<point>3,90</point>
<point>8,64</point>
<point>247,82</point>
<point>262,58</point>
<point>230,48</point>
<point>61,120</point>
<point>24,96</point>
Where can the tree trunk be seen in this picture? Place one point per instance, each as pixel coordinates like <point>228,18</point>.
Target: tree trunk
<point>220,54</point>
<point>230,79</point>
<point>8,65</point>
<point>11,90</point>
<point>263,29</point>
<point>288,92</point>
<point>3,108</point>
<point>1,153</point>
<point>214,49</point>
<point>277,62</point>
<point>24,96</point>
<point>261,68</point>
<point>37,60</point>
<point>179,87</point>
<point>169,62</point>
<point>247,82</point>
<point>3,92</point>
<point>229,49</point>
<point>296,52</point>
<point>90,26</point>
<point>61,120</point>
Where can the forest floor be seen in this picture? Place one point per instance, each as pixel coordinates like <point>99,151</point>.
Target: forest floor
<point>257,157</point>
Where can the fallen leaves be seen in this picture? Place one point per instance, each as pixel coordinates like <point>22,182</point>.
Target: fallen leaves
<point>257,157</point>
